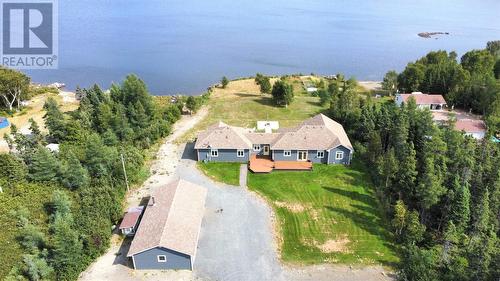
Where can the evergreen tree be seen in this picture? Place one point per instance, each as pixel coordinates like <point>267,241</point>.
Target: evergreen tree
<point>418,265</point>
<point>44,166</point>
<point>460,204</point>
<point>74,175</point>
<point>224,82</point>
<point>13,169</point>
<point>54,121</point>
<point>390,82</point>
<point>66,246</point>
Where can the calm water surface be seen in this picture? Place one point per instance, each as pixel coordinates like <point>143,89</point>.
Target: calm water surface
<point>184,46</point>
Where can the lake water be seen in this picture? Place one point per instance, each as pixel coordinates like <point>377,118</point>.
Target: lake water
<point>185,46</point>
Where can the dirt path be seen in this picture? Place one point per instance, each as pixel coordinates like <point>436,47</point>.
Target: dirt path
<point>113,264</point>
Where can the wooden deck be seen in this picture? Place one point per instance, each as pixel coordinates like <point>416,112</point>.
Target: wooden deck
<point>266,165</point>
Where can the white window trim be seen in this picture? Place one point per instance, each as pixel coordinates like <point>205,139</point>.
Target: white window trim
<point>158,258</point>
<point>298,155</point>
<point>256,147</point>
<point>322,153</point>
<point>341,153</point>
<point>212,153</point>
<point>242,153</point>
<point>287,153</point>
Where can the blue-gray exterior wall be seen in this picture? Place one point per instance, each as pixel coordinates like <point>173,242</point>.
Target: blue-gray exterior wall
<point>347,156</point>
<point>229,155</point>
<point>225,155</point>
<point>311,155</point>
<point>149,259</point>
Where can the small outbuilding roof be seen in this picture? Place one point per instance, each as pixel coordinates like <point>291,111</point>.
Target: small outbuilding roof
<point>172,219</point>
<point>131,217</point>
<point>424,98</point>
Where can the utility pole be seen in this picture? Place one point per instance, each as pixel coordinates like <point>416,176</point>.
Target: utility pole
<point>124,172</point>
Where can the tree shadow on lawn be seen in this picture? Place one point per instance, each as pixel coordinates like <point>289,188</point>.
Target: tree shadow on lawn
<point>353,195</point>
<point>371,224</point>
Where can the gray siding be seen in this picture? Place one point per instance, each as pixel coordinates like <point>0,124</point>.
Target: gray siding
<point>149,260</point>
<point>347,156</point>
<point>311,155</point>
<point>225,155</point>
<point>278,156</point>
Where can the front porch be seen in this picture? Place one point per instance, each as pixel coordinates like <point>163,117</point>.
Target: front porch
<point>261,164</point>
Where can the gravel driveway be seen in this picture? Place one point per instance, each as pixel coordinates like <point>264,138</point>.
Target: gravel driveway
<point>236,241</point>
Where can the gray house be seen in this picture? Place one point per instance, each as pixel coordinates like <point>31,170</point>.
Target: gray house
<point>317,140</point>
<point>167,236</point>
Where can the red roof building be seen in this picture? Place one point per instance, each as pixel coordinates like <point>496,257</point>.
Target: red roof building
<point>131,220</point>
<point>430,101</point>
<point>474,128</point>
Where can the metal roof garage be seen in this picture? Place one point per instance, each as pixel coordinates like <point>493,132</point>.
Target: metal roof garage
<point>167,236</point>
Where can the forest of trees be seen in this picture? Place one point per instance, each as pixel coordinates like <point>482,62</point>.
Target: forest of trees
<point>439,188</point>
<point>471,83</point>
<point>85,177</point>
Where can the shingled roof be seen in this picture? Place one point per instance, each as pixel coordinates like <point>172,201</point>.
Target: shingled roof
<point>222,136</point>
<point>172,219</point>
<point>318,132</point>
<point>424,98</point>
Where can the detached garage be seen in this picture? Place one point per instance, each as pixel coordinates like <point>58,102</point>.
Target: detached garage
<point>167,236</point>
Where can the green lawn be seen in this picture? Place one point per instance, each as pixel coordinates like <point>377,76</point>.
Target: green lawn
<point>228,173</point>
<point>327,215</point>
<point>242,104</point>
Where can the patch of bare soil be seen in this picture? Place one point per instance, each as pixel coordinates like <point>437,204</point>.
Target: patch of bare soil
<point>335,246</point>
<point>339,245</point>
<point>292,207</point>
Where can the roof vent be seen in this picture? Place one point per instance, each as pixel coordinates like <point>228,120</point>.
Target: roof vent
<point>153,202</point>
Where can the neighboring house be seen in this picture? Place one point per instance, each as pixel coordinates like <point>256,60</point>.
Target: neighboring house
<point>430,101</point>
<point>131,220</point>
<point>317,140</point>
<point>474,128</point>
<point>167,236</point>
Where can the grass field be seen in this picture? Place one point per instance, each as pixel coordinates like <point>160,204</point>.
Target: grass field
<point>228,173</point>
<point>327,215</point>
<point>241,104</point>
